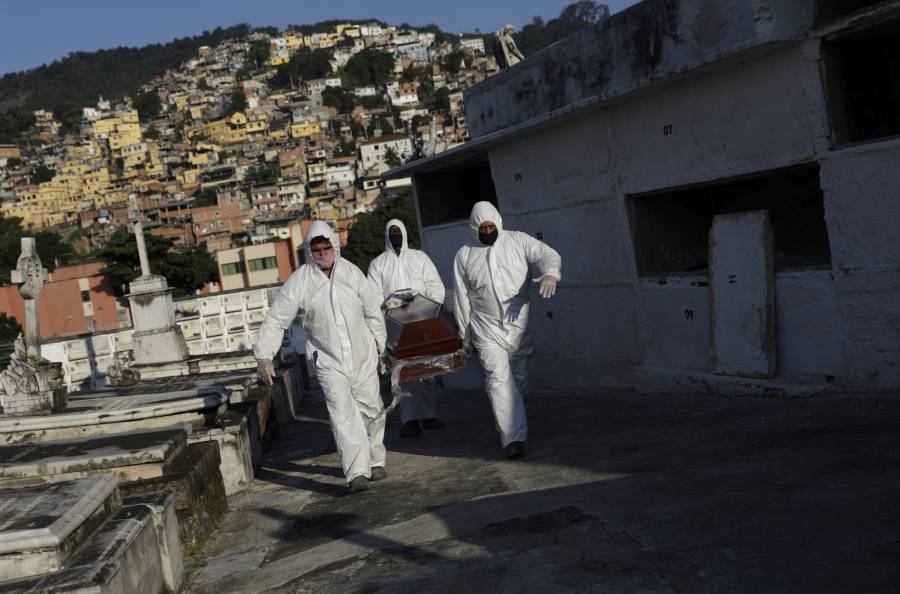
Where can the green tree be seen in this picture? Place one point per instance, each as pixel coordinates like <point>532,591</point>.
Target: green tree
<point>391,157</point>
<point>366,238</point>
<point>203,85</point>
<point>50,247</point>
<point>205,197</point>
<point>380,124</point>
<point>370,67</point>
<point>14,123</point>
<point>259,53</point>
<point>148,105</point>
<point>453,61</point>
<point>238,102</point>
<point>306,64</point>
<point>336,97</point>
<point>185,268</point>
<point>372,101</point>
<point>41,174</point>
<point>345,149</point>
<point>53,249</point>
<point>442,98</point>
<point>69,117</point>
<point>263,173</point>
<point>79,78</point>
<point>151,133</point>
<point>9,329</point>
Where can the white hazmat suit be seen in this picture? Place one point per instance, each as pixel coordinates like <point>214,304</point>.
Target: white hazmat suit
<point>411,269</point>
<point>346,334</point>
<point>491,306</point>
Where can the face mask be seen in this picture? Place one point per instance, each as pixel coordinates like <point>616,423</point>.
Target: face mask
<point>396,241</point>
<point>324,260</point>
<point>488,238</point>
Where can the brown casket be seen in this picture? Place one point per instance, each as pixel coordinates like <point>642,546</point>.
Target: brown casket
<point>422,339</point>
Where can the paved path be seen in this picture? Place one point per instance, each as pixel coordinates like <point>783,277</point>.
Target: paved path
<point>619,492</point>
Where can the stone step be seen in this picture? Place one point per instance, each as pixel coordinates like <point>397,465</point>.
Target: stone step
<point>196,482</point>
<point>131,456</point>
<point>43,525</point>
<point>136,550</point>
<point>232,433</point>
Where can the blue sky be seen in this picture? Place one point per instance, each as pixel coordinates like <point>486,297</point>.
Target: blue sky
<point>34,32</point>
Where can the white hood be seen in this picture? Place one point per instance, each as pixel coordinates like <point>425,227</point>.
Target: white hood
<point>483,212</point>
<point>387,241</point>
<point>321,229</point>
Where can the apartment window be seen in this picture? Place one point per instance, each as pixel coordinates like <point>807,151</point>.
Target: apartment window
<point>863,83</point>
<point>85,296</point>
<point>670,229</point>
<point>232,268</point>
<point>448,195</point>
<point>262,264</point>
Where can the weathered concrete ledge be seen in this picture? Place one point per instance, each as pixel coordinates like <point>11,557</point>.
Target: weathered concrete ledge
<point>131,456</point>
<point>132,552</point>
<point>41,526</point>
<point>232,433</point>
<point>195,481</point>
<point>112,409</point>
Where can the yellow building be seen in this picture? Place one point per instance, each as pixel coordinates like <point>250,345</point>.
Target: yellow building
<point>229,130</point>
<point>293,41</point>
<point>304,129</point>
<point>280,134</point>
<point>277,59</point>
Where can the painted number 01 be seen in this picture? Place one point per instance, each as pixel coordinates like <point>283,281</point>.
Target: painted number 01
<point>667,130</point>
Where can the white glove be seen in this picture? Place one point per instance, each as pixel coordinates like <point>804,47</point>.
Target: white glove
<point>384,364</point>
<point>547,286</point>
<point>266,371</point>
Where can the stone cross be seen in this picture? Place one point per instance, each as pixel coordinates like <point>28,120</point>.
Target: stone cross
<point>134,215</point>
<point>30,276</point>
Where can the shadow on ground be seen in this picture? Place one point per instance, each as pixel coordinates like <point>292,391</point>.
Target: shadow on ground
<point>619,492</point>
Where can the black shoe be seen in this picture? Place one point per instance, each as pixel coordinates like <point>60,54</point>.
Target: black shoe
<point>378,473</point>
<point>433,424</point>
<point>411,429</point>
<point>360,483</point>
<point>515,450</point>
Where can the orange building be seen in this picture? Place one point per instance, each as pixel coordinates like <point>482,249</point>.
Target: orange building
<point>77,299</point>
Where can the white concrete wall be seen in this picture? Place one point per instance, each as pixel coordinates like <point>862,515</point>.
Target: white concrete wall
<point>570,182</point>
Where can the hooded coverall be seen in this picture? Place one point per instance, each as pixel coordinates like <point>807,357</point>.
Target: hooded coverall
<point>411,269</point>
<point>346,334</point>
<point>491,306</point>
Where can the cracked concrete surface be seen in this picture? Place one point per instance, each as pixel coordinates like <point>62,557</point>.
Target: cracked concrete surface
<point>619,492</point>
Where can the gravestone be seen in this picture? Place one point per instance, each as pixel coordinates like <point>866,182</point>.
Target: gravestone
<point>30,384</point>
<point>158,342</point>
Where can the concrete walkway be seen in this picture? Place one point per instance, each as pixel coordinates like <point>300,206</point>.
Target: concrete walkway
<point>619,492</point>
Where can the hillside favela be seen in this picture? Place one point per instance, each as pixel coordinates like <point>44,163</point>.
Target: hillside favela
<point>521,297</point>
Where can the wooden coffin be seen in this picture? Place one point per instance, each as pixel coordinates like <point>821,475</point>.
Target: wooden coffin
<point>422,328</point>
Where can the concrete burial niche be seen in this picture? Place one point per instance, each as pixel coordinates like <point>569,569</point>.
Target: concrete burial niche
<point>742,295</point>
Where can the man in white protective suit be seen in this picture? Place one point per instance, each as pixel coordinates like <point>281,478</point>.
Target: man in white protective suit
<point>341,314</point>
<point>490,281</point>
<point>401,267</point>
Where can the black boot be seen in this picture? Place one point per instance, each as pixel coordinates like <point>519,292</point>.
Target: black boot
<point>433,424</point>
<point>515,450</point>
<point>411,429</point>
